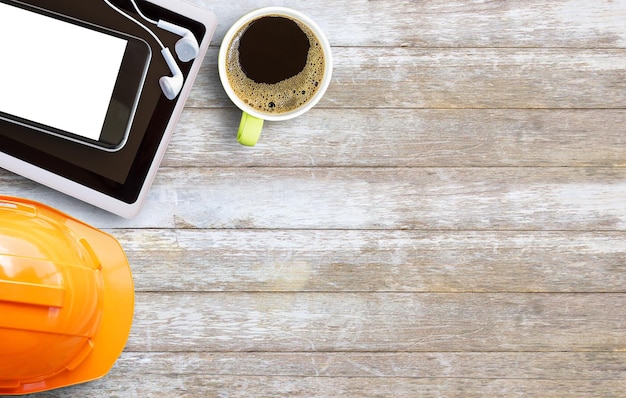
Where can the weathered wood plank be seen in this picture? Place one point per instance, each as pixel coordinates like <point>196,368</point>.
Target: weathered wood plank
<point>192,386</point>
<point>367,198</point>
<point>208,374</point>
<point>487,365</point>
<point>378,77</point>
<point>406,137</point>
<point>375,261</point>
<point>440,23</point>
<point>380,322</point>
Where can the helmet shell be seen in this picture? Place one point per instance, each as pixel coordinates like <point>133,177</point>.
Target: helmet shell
<point>66,299</point>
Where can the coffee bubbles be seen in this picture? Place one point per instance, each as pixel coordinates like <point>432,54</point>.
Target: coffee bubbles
<point>275,64</point>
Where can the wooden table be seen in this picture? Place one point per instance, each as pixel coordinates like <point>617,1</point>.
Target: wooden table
<point>450,220</point>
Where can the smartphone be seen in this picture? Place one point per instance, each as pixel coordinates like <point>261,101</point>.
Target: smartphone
<point>69,78</point>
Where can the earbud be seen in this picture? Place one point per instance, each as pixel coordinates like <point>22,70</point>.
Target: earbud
<point>186,47</point>
<point>171,85</point>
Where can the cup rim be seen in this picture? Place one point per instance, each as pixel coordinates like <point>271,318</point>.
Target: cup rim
<point>258,13</point>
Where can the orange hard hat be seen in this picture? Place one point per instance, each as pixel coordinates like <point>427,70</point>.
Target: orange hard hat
<point>66,299</point>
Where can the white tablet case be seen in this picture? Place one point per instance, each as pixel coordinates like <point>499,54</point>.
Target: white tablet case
<point>94,197</point>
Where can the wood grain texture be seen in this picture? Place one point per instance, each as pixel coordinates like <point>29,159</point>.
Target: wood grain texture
<point>375,261</point>
<point>449,221</point>
<point>379,322</point>
<point>285,386</point>
<point>457,23</point>
<point>367,374</point>
<point>404,77</point>
<point>489,365</point>
<point>407,138</point>
<point>369,198</point>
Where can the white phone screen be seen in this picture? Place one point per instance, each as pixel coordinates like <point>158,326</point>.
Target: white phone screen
<point>55,73</point>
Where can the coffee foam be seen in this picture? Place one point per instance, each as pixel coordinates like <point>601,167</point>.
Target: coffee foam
<point>286,95</point>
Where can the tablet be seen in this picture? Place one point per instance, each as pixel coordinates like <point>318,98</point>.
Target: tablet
<point>117,181</point>
<point>88,90</point>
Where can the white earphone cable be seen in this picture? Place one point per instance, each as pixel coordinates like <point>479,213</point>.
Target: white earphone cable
<point>137,22</point>
<point>142,14</point>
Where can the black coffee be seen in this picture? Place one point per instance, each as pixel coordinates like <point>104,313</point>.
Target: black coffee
<point>272,39</point>
<point>275,64</point>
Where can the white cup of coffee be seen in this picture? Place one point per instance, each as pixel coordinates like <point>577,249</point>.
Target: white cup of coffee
<point>275,63</point>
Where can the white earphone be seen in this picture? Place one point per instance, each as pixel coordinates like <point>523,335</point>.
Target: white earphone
<point>171,85</point>
<point>186,49</point>
<point>187,46</point>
